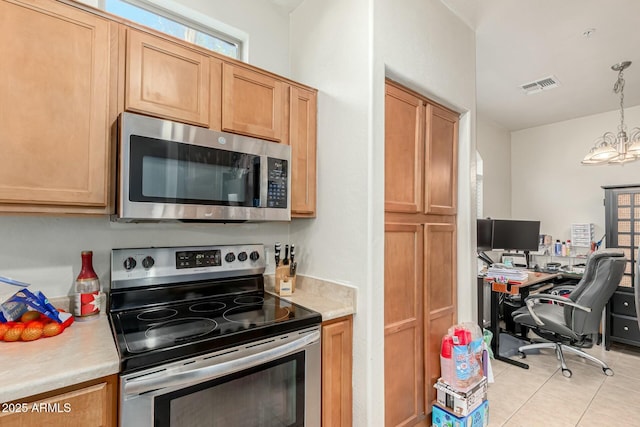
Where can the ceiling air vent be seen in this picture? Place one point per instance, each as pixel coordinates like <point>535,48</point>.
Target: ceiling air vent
<point>540,85</point>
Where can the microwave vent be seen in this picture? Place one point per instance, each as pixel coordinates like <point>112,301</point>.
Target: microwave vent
<point>537,86</point>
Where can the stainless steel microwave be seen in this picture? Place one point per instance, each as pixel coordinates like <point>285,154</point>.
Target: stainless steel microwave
<point>173,171</point>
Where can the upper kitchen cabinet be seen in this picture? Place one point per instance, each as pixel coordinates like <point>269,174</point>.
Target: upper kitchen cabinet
<point>254,103</point>
<point>302,138</point>
<point>167,79</point>
<point>441,161</point>
<point>57,104</point>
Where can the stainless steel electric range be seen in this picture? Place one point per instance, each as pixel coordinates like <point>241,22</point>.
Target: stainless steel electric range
<point>202,344</point>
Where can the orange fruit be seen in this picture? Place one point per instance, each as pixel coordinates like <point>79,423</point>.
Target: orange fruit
<point>35,324</point>
<point>13,334</point>
<point>51,329</point>
<point>29,316</point>
<point>31,334</point>
<point>3,328</point>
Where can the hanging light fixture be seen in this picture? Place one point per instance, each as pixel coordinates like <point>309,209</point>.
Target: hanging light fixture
<point>617,148</point>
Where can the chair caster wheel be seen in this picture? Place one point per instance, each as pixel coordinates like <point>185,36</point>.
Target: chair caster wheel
<point>567,373</point>
<point>522,355</point>
<point>608,372</point>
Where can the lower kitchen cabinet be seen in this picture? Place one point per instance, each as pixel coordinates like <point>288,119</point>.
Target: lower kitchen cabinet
<point>90,404</point>
<point>337,356</point>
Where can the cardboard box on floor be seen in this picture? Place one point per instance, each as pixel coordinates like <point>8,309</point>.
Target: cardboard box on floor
<point>479,417</point>
<point>461,403</point>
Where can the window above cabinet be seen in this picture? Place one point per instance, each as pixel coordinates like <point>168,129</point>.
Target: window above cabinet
<point>169,22</point>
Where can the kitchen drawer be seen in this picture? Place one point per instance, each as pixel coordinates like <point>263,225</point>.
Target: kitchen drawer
<point>625,327</point>
<point>623,303</point>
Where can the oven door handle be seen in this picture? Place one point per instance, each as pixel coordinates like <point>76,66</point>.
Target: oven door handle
<point>186,378</point>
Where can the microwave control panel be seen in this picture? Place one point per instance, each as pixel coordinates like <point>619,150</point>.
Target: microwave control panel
<point>277,183</point>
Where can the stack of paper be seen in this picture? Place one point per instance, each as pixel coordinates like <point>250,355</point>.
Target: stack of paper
<point>503,274</point>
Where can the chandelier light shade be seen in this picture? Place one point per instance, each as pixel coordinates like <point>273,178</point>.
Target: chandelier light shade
<point>620,148</point>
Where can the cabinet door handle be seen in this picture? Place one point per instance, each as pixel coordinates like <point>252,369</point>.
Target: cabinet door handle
<point>626,304</point>
<point>626,328</point>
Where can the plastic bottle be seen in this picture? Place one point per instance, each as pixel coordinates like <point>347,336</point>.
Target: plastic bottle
<point>564,249</point>
<point>557,249</point>
<point>568,247</point>
<point>446,360</point>
<point>86,289</point>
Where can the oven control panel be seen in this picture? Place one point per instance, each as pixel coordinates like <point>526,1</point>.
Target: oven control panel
<point>133,267</point>
<point>197,259</point>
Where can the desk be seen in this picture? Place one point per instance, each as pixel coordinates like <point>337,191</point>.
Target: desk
<point>512,288</point>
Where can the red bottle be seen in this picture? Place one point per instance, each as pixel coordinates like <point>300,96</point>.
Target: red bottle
<point>87,289</point>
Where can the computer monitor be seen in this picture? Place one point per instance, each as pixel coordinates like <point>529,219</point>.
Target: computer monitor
<point>515,235</point>
<point>484,234</point>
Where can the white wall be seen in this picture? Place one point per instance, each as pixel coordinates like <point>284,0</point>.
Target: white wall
<point>494,145</point>
<point>45,251</point>
<point>550,184</point>
<point>330,50</point>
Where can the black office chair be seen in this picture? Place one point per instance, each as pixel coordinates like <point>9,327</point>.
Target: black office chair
<point>573,322</point>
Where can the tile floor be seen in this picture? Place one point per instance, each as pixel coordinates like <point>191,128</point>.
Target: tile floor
<point>541,396</point>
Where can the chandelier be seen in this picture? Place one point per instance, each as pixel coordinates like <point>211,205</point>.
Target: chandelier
<point>617,148</point>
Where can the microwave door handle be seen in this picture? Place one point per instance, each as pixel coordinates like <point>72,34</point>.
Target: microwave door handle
<point>264,180</point>
<point>187,378</point>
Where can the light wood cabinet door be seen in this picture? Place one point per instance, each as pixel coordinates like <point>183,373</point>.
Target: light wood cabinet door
<point>403,325</point>
<point>404,150</point>
<point>441,295</point>
<point>441,161</point>
<point>253,103</point>
<point>57,95</point>
<point>337,356</point>
<point>302,138</point>
<point>166,79</point>
<point>92,405</point>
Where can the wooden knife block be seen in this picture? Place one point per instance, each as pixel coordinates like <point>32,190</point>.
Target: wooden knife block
<point>282,275</point>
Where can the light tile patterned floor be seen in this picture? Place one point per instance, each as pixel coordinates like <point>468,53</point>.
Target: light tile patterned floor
<point>541,396</point>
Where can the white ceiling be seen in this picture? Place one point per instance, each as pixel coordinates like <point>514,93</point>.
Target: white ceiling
<point>519,41</point>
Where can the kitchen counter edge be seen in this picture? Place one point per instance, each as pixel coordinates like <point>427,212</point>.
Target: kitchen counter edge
<point>331,300</point>
<point>83,352</point>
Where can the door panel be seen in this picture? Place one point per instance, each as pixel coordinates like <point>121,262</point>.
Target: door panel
<point>303,152</point>
<point>404,147</point>
<point>55,111</point>
<point>440,265</point>
<point>253,103</point>
<point>441,164</point>
<point>404,328</point>
<point>166,79</point>
<point>337,356</point>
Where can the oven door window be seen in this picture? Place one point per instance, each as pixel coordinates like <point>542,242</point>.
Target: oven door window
<point>172,172</point>
<point>270,395</point>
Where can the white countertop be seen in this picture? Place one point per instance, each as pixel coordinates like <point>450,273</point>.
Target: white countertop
<point>331,300</point>
<point>84,351</point>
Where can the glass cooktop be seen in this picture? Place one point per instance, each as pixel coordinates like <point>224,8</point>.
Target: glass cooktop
<point>147,336</point>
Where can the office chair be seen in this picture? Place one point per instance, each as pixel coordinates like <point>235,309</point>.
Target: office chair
<point>574,321</point>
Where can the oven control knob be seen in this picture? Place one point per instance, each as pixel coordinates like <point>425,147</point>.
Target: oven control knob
<point>254,256</point>
<point>129,264</point>
<point>148,262</point>
<point>242,256</point>
<point>230,257</point>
